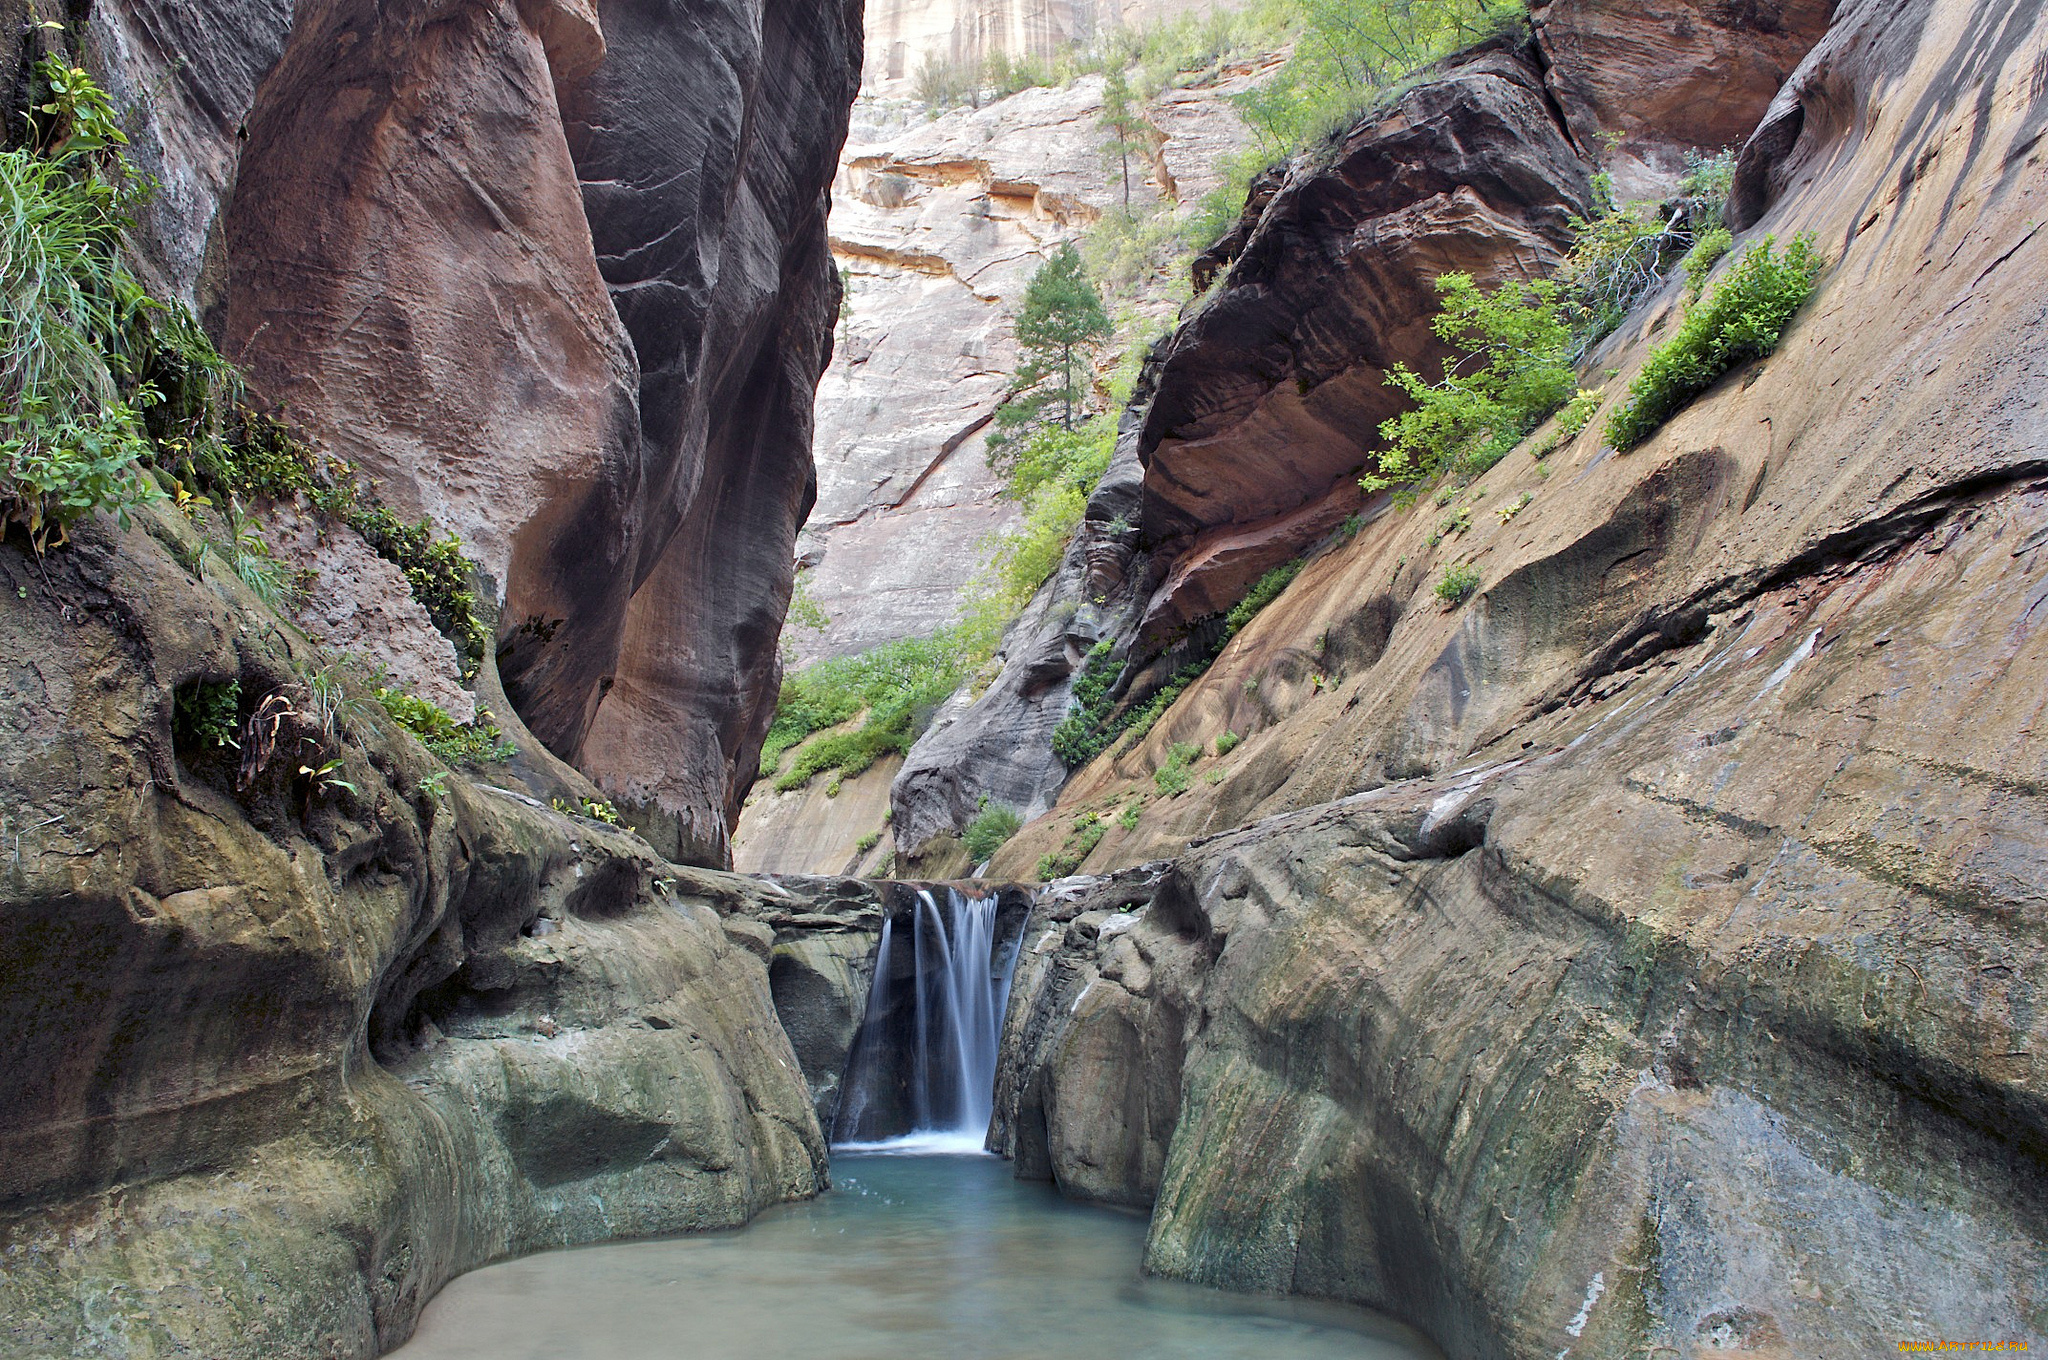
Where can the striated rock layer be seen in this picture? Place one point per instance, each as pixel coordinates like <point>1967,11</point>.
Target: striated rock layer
<point>1633,959</point>
<point>554,274</point>
<point>1269,396</point>
<point>297,1049</point>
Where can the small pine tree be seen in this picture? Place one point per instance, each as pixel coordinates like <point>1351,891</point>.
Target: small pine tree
<point>1124,123</point>
<point>1063,319</point>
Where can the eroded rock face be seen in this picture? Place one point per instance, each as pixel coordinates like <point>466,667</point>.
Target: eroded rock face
<point>1643,84</point>
<point>1271,395</point>
<point>294,1053</point>
<point>1541,969</point>
<point>555,275</point>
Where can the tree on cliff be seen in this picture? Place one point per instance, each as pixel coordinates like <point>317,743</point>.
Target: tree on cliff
<point>1063,320</point>
<point>1124,123</point>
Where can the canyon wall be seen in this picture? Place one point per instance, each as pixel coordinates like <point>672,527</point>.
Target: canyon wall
<point>1266,401</point>
<point>553,274</point>
<point>1633,957</point>
<point>298,1044</point>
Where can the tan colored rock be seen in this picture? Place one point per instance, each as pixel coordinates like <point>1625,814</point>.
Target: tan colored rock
<point>814,831</point>
<point>291,1053</point>
<point>1552,964</point>
<point>1642,84</point>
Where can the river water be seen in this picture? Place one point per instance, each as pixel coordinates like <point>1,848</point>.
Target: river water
<point>937,1257</point>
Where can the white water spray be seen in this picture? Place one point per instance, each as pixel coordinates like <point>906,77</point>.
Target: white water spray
<point>960,984</point>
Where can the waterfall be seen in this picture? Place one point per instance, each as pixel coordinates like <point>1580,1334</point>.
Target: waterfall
<point>923,1068</point>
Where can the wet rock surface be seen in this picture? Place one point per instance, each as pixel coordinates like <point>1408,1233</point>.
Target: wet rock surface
<point>306,1045</point>
<point>1549,969</point>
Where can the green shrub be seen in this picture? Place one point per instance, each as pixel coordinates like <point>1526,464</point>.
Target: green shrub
<point>1704,255</point>
<point>991,827</point>
<point>896,686</point>
<point>1577,414</point>
<point>478,742</point>
<point>1457,583</point>
<point>1740,320</point>
<point>867,842</point>
<point>1266,590</point>
<point>1086,833</point>
<point>1173,777</point>
<point>1227,743</point>
<point>1128,818</point>
<point>1514,369</point>
<point>1083,733</point>
<point>72,436</point>
<point>207,715</point>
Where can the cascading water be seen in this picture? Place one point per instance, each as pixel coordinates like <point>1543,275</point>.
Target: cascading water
<point>923,1069</point>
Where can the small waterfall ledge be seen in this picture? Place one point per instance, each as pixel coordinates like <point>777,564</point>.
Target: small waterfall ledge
<point>921,1072</point>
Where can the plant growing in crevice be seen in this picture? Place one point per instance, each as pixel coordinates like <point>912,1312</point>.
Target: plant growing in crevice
<point>1742,319</point>
<point>1514,368</point>
<point>991,828</point>
<point>1456,585</point>
<point>1175,774</point>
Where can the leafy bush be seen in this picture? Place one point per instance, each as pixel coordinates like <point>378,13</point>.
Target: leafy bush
<point>477,742</point>
<point>1082,838</point>
<point>207,715</point>
<point>1514,370</point>
<point>1457,583</point>
<point>896,685</point>
<point>1704,255</point>
<point>1577,413</point>
<point>72,439</point>
<point>1128,818</point>
<point>1349,53</point>
<point>1227,743</point>
<point>1173,777</point>
<point>1740,320</point>
<point>1081,735</point>
<point>1266,590</point>
<point>991,827</point>
<point>867,842</point>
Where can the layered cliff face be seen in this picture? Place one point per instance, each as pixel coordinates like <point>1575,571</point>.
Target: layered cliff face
<point>1269,396</point>
<point>553,274</point>
<point>300,1041</point>
<point>1544,969</point>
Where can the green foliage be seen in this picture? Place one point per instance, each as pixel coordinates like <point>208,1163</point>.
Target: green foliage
<point>1263,593</point>
<point>1124,121</point>
<point>207,715</point>
<point>991,827</point>
<point>1740,320</point>
<point>1061,322</point>
<point>1082,838</point>
<point>72,437</point>
<point>1458,583</point>
<point>1514,369</point>
<point>896,686</point>
<point>1708,182</point>
<point>478,742</point>
<point>867,842</point>
<point>1577,413</point>
<point>1083,733</point>
<point>1128,818</point>
<point>1227,743</point>
<point>1706,252</point>
<point>1348,54</point>
<point>1616,261</point>
<point>596,809</point>
<point>1173,777</point>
